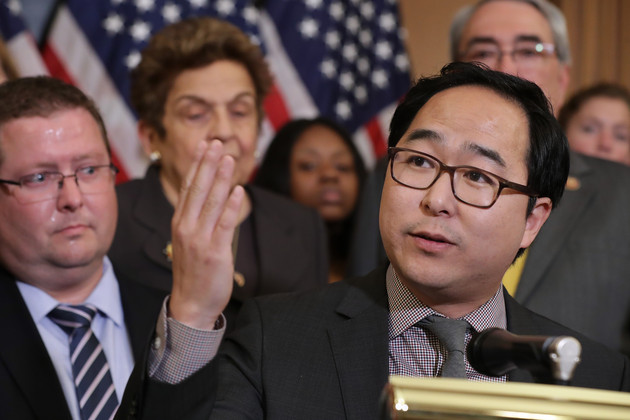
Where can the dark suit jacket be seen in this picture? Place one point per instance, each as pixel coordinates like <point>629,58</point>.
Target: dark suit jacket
<point>578,268</point>
<point>324,355</point>
<point>29,388</point>
<point>290,240</point>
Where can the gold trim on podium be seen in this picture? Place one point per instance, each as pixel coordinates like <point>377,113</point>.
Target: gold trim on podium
<point>457,399</point>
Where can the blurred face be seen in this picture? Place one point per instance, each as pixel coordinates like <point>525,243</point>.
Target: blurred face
<point>510,26</point>
<point>323,174</point>
<point>447,252</point>
<point>70,232</point>
<point>217,101</point>
<point>601,128</point>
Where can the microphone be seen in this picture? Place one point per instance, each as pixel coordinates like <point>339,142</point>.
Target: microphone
<point>496,352</point>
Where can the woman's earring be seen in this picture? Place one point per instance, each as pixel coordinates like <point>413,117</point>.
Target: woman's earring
<point>155,156</point>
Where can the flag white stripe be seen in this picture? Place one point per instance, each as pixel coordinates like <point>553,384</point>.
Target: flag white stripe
<point>26,56</point>
<point>295,95</point>
<point>81,62</point>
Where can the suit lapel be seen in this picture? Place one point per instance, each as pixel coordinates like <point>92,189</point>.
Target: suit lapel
<point>141,306</point>
<point>26,357</point>
<point>560,224</point>
<point>360,347</point>
<point>519,321</point>
<point>278,249</point>
<point>155,212</point>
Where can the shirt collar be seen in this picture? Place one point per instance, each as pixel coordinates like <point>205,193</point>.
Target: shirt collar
<point>405,309</point>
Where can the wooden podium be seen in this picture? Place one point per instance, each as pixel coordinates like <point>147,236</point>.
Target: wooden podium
<point>456,399</point>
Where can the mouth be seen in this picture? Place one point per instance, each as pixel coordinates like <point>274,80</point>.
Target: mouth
<point>432,242</point>
<point>331,197</point>
<point>72,230</point>
<point>432,237</point>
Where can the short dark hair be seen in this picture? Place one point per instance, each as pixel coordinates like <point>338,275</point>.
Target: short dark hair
<point>548,151</point>
<point>42,96</point>
<point>273,173</point>
<point>191,44</point>
<point>600,90</point>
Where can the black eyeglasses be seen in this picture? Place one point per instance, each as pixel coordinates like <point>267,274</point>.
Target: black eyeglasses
<point>470,185</point>
<point>43,186</point>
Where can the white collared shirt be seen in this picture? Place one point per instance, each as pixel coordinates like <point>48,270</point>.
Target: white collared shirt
<point>110,331</point>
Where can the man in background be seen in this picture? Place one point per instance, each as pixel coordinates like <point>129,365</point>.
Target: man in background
<point>71,326</point>
<point>577,271</point>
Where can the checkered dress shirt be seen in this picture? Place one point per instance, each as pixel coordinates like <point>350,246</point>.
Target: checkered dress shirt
<point>414,351</point>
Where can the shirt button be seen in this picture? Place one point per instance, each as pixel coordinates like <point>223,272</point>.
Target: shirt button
<point>157,343</point>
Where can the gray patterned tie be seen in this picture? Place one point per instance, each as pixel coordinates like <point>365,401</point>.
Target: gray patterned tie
<point>92,378</point>
<point>452,334</point>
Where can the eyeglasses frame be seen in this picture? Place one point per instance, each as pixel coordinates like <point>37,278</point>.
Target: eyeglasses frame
<point>503,183</point>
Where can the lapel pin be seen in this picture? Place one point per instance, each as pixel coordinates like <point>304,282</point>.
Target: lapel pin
<point>239,279</point>
<point>168,251</point>
<point>573,184</point>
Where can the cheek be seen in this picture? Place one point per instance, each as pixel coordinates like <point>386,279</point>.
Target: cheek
<point>303,187</point>
<point>23,226</point>
<point>351,187</point>
<point>580,138</point>
<point>394,208</point>
<point>247,138</point>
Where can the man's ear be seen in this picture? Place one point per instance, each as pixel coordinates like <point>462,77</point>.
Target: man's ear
<point>536,220</point>
<point>564,78</point>
<point>149,138</point>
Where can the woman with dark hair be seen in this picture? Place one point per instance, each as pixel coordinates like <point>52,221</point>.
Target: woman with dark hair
<point>199,80</point>
<point>315,162</point>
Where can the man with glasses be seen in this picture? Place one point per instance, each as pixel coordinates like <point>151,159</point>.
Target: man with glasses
<point>477,162</point>
<point>577,270</point>
<point>71,326</point>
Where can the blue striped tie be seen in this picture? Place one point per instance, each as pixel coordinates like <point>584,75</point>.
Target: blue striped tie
<point>92,378</point>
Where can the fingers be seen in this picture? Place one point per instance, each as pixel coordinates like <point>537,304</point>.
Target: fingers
<point>203,227</point>
<point>200,175</point>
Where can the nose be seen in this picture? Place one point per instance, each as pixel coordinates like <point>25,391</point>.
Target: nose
<point>70,196</point>
<point>439,198</point>
<point>506,64</point>
<point>328,172</point>
<point>605,141</point>
<point>223,127</point>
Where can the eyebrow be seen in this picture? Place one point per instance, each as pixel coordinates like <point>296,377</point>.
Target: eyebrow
<point>426,134</point>
<point>201,101</point>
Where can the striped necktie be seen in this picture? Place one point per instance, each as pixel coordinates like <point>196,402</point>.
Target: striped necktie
<point>92,378</point>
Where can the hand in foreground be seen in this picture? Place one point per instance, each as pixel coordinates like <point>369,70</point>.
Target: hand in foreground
<point>202,227</point>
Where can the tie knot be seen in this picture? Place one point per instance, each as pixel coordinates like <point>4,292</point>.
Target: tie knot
<point>71,317</point>
<point>450,332</point>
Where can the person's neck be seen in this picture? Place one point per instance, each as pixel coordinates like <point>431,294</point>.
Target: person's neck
<point>453,304</point>
<point>77,284</point>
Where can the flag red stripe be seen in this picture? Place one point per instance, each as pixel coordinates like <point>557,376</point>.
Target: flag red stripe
<point>379,143</point>
<point>275,108</point>
<point>58,70</point>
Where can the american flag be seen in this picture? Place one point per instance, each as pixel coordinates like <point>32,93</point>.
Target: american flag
<point>19,41</point>
<point>344,59</point>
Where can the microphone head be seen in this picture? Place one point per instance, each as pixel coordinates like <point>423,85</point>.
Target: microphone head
<point>496,352</point>
<point>489,352</point>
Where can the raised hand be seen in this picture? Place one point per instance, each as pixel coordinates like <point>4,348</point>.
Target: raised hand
<point>202,228</point>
